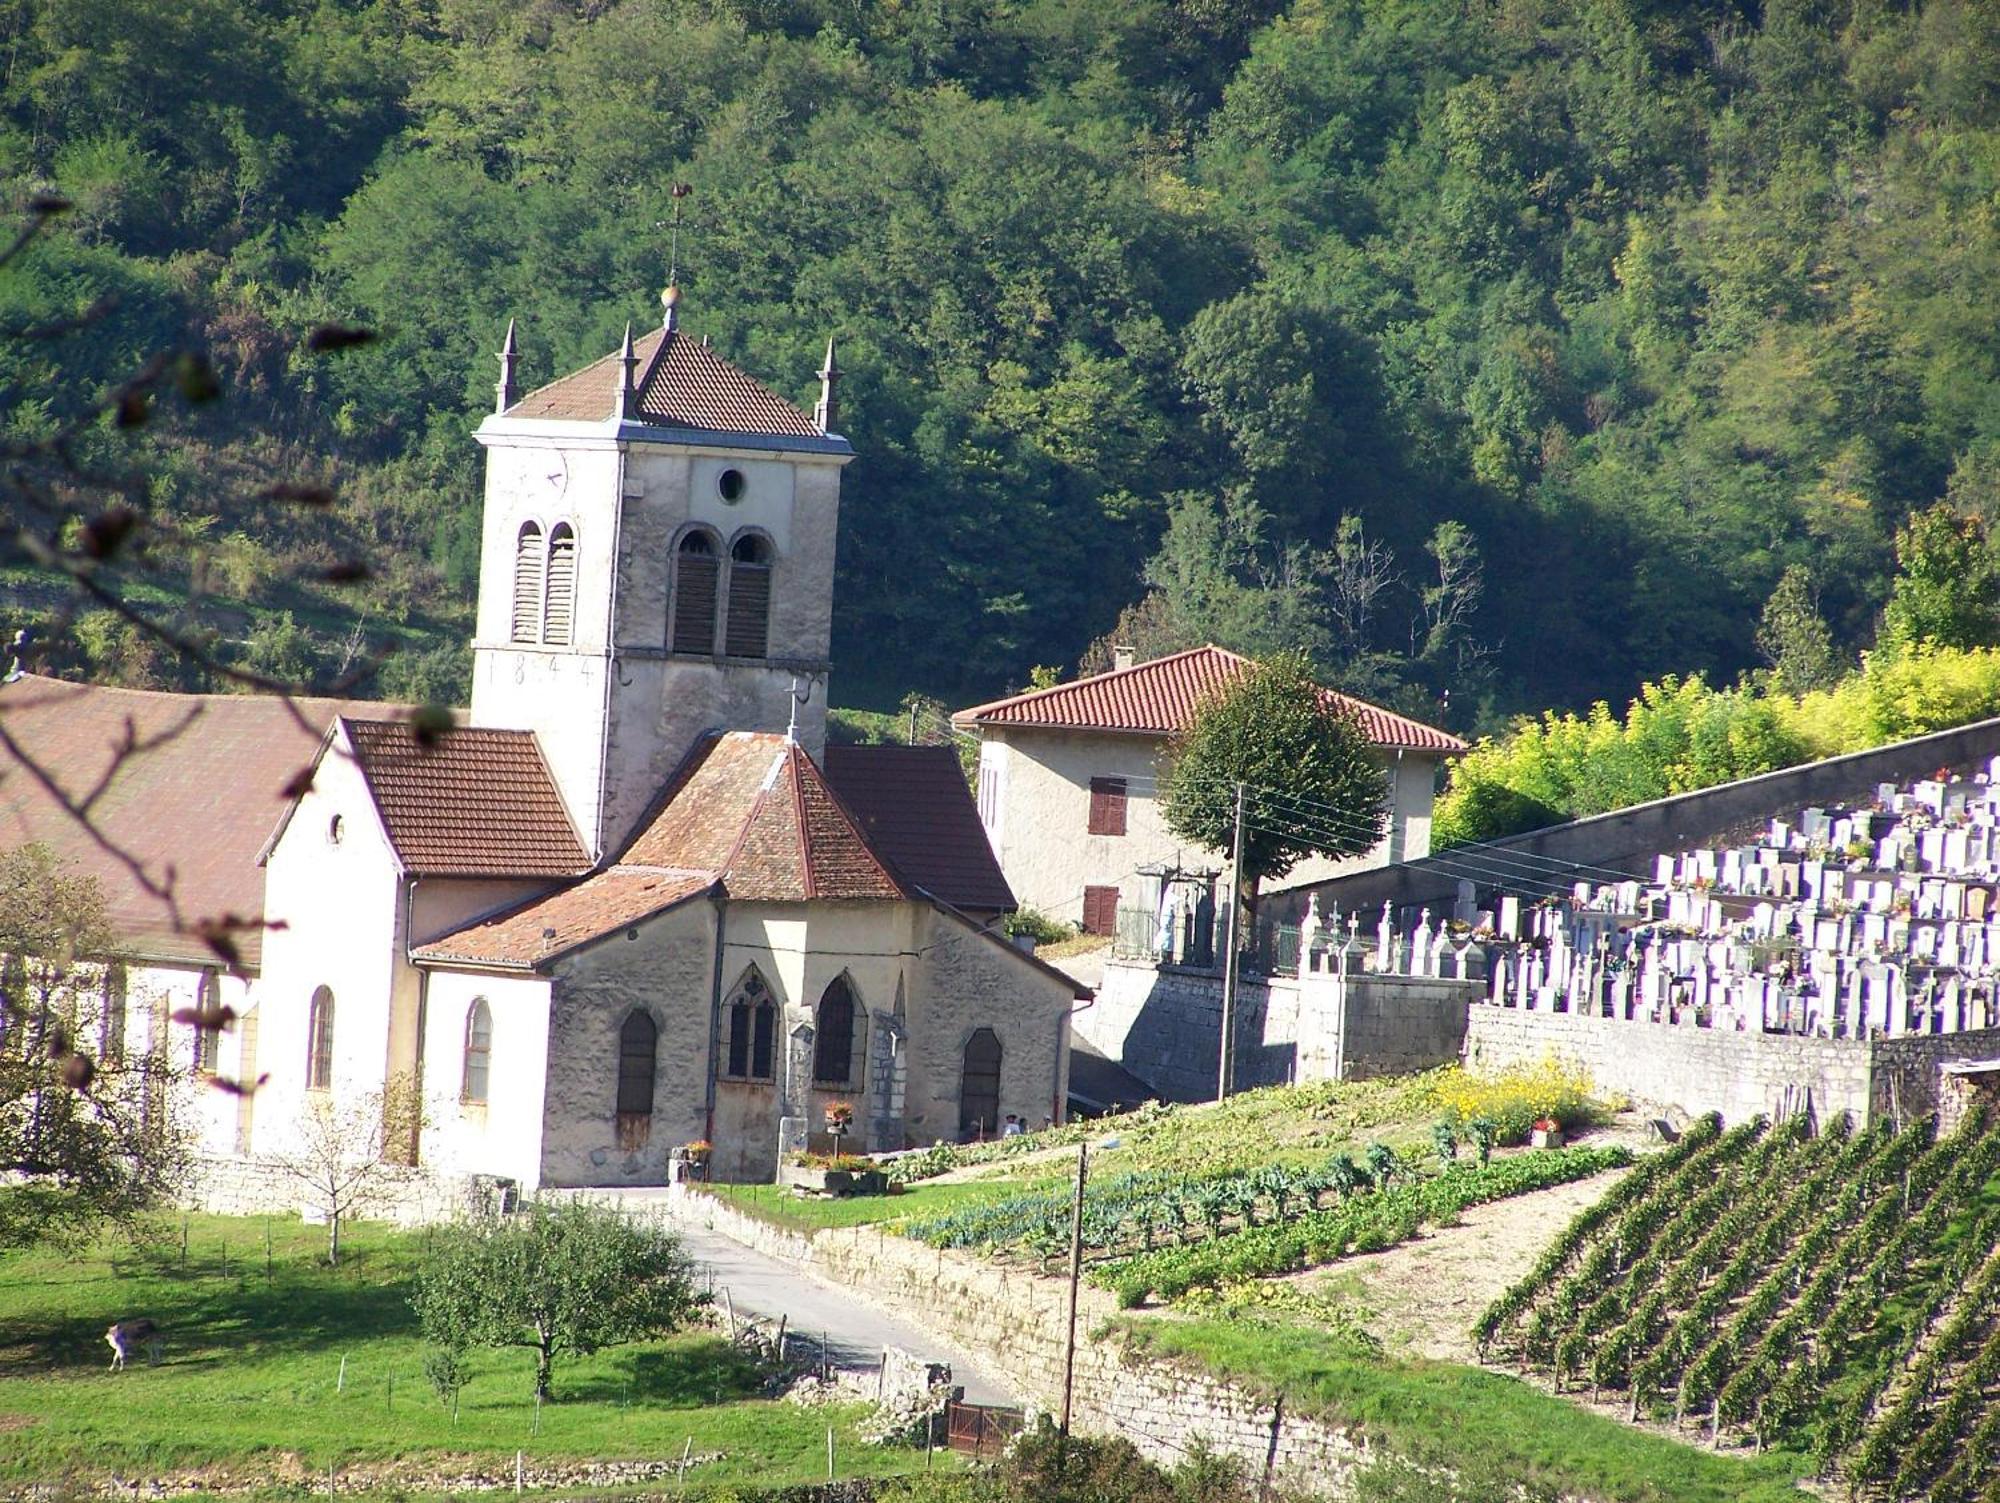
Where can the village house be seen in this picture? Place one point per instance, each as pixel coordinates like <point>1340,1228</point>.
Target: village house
<point>1069,777</point>
<point>631,901</point>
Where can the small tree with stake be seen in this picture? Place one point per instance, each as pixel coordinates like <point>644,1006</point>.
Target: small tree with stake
<point>562,1280</point>
<point>1311,785</point>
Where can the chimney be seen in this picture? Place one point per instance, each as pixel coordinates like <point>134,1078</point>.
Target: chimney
<point>1121,657</point>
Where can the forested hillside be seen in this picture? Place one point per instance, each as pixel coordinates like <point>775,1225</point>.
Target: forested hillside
<point>1510,347</point>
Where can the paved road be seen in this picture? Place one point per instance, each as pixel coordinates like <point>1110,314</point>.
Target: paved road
<point>855,1333</point>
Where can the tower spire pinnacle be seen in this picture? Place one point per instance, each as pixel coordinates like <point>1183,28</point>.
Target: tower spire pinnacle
<point>505,391</point>
<point>827,413</point>
<point>628,366</point>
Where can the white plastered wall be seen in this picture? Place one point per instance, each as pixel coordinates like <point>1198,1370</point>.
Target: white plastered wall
<point>503,1134</point>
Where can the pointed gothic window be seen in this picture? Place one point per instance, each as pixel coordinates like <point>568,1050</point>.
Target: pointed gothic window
<point>749,627</point>
<point>833,1040</point>
<point>979,1086</point>
<point>319,1033</point>
<point>478,1052</point>
<point>527,582</point>
<point>207,1023</point>
<point>695,581</point>
<point>753,1029</point>
<point>638,1041</point>
<point>559,615</point>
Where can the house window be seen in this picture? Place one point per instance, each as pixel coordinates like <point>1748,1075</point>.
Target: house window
<point>527,582</point>
<point>112,1031</point>
<point>207,1023</point>
<point>989,798</point>
<point>753,1029</point>
<point>1107,806</point>
<point>696,571</point>
<point>478,1052</point>
<point>319,1034</point>
<point>638,1044</point>
<point>749,624</point>
<point>1100,910</point>
<point>559,614</point>
<point>833,1039</point>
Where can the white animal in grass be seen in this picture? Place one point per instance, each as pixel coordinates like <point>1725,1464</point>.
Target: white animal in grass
<point>127,1336</point>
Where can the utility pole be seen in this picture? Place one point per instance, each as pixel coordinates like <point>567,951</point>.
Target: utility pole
<point>1225,1071</point>
<point>1075,1278</point>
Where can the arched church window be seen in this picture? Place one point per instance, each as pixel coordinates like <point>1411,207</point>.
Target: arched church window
<point>979,1086</point>
<point>696,577</point>
<point>527,582</point>
<point>834,1035</point>
<point>559,615</point>
<point>478,1051</point>
<point>319,1033</point>
<point>753,1029</point>
<point>638,1042</point>
<point>749,626</point>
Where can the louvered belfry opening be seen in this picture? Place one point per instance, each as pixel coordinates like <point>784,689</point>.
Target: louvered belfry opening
<point>527,582</point>
<point>559,615</point>
<point>695,571</point>
<point>749,628</point>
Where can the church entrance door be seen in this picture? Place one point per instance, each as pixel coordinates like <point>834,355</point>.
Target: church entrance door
<point>979,1087</point>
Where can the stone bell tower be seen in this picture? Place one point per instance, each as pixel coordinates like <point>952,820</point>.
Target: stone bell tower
<point>656,562</point>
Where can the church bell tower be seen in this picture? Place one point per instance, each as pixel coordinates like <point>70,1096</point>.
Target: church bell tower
<point>656,562</point>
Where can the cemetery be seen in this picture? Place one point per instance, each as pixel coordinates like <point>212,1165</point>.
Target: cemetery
<point>1842,959</point>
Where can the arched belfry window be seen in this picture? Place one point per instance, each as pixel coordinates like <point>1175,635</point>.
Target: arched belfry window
<point>478,1052</point>
<point>559,615</point>
<point>696,571</point>
<point>753,1029</point>
<point>835,1035</point>
<point>319,1033</point>
<point>749,626</point>
<point>527,582</point>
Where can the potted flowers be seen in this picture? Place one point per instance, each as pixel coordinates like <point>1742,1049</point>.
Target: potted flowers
<point>839,1118</point>
<point>1547,1133</point>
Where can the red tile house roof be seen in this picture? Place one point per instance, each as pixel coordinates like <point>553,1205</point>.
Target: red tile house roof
<point>1160,698</point>
<point>474,803</point>
<point>199,797</point>
<point>749,814</point>
<point>916,810</point>
<point>682,384</point>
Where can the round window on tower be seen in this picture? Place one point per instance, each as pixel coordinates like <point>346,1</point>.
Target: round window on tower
<point>729,484</point>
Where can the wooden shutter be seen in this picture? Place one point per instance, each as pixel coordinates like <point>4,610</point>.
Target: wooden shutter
<point>748,632</point>
<point>1107,806</point>
<point>527,583</point>
<point>1100,910</point>
<point>560,614</point>
<point>694,600</point>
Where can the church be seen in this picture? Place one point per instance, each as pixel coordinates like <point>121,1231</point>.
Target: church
<point>632,901</point>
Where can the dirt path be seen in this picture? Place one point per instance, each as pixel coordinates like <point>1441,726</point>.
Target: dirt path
<point>1423,1296</point>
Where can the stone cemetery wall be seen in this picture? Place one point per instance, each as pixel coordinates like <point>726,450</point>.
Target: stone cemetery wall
<point>1397,1025</point>
<point>1628,839</point>
<point>263,1185</point>
<point>1692,1069</point>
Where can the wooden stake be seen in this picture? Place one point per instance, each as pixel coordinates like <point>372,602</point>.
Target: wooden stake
<point>686,1452</point>
<point>517,1474</point>
<point>1075,1277</point>
<point>729,1305</point>
<point>340,1383</point>
<point>829,1453</point>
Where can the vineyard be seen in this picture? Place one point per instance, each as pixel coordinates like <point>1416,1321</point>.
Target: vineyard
<point>1157,1233</point>
<point>1837,1294</point>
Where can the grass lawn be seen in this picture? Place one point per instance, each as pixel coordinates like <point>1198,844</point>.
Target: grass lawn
<point>252,1372</point>
<point>780,1206</point>
<point>1462,1417</point>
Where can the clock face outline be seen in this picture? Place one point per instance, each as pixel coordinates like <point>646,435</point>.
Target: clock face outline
<point>554,472</point>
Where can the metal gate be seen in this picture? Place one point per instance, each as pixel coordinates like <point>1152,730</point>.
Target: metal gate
<point>980,1430</point>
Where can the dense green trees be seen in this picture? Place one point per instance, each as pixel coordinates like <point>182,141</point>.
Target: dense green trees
<point>1222,307</point>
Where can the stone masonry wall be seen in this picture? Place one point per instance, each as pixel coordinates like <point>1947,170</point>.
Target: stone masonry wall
<point>1016,1321</point>
<point>261,1186</point>
<point>1396,1025</point>
<point>1906,1080</point>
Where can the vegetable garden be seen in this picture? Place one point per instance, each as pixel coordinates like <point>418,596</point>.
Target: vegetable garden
<point>1838,1294</point>
<point>1157,1233</point>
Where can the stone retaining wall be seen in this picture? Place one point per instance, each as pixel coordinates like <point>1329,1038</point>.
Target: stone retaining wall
<point>408,1197</point>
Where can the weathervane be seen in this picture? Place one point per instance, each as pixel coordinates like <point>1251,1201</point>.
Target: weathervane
<point>678,192</point>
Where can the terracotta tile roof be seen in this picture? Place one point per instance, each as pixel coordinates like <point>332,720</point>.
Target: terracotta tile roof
<point>752,808</point>
<point>913,805</point>
<point>550,927</point>
<point>1159,699</point>
<point>682,384</point>
<point>200,798</point>
<point>475,803</point>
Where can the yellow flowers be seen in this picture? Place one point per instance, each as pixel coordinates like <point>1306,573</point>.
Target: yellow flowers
<point>1515,1098</point>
